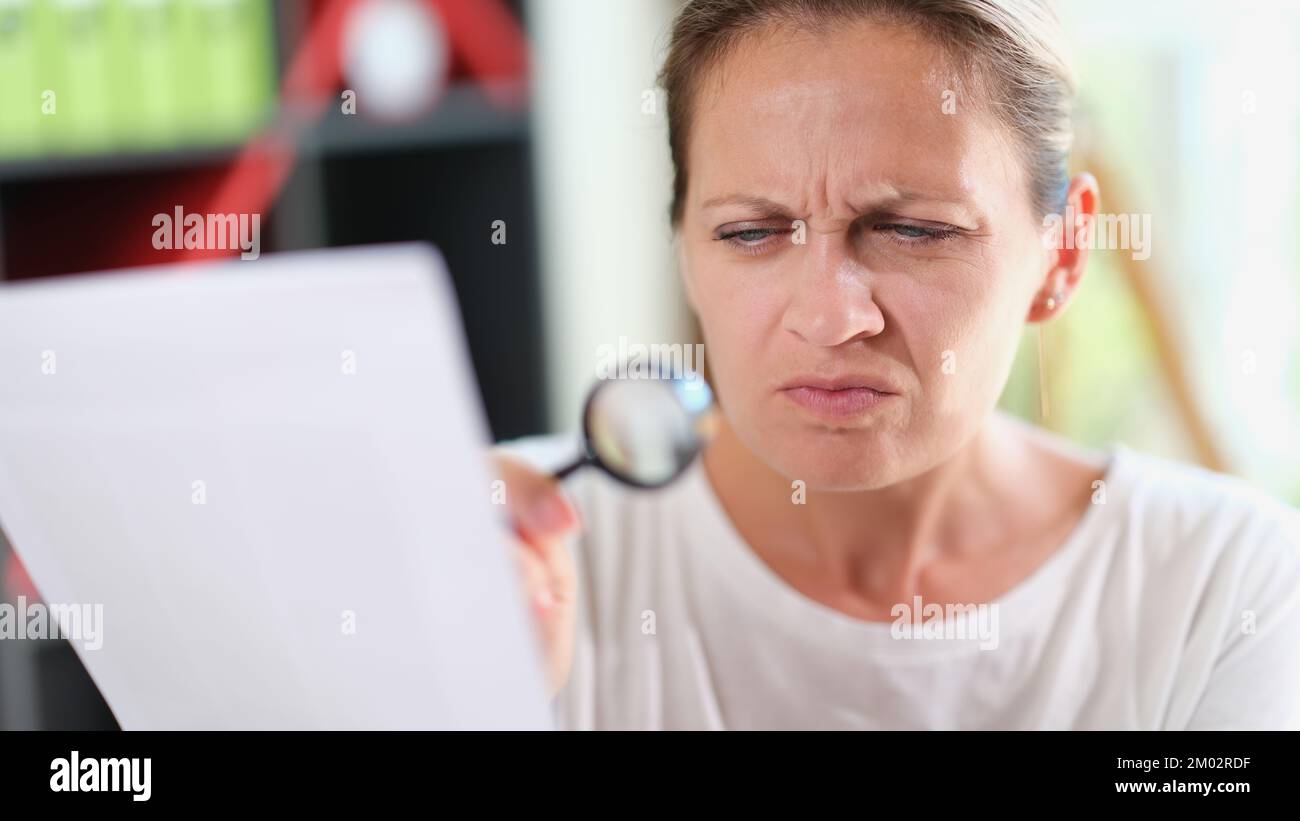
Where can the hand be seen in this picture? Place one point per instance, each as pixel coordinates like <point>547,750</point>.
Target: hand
<point>542,517</point>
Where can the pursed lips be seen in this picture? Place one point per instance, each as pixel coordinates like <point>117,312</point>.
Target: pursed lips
<point>838,398</point>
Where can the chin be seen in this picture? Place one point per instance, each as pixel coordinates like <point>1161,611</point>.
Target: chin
<point>834,459</point>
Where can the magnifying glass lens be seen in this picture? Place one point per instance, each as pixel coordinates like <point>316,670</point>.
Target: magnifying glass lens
<point>646,432</point>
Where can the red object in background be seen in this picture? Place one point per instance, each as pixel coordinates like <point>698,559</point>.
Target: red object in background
<point>260,170</point>
<point>17,582</point>
<point>488,42</point>
<point>68,226</point>
<point>483,34</point>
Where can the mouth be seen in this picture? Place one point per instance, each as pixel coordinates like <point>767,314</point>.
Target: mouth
<point>838,399</point>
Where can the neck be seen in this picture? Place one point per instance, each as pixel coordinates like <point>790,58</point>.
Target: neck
<point>878,541</point>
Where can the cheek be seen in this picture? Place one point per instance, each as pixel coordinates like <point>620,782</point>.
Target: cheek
<point>737,332</point>
<point>963,336</point>
<point>738,312</point>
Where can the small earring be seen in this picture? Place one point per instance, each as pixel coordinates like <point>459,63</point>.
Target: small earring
<point>1040,331</point>
<point>1044,409</point>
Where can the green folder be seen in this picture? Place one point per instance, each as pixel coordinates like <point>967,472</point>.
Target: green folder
<point>73,73</point>
<point>235,66</point>
<point>20,98</point>
<point>146,59</point>
<point>103,75</point>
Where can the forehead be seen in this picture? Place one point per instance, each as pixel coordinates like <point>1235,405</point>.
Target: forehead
<point>859,106</point>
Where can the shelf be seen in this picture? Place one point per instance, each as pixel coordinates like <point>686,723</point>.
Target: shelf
<point>89,165</point>
<point>465,115</point>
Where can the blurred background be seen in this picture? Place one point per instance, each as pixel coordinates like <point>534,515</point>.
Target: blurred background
<point>526,139</point>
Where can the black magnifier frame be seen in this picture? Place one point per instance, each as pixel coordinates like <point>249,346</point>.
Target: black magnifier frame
<point>590,457</point>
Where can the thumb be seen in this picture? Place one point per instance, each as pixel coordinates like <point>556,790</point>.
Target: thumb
<point>536,501</point>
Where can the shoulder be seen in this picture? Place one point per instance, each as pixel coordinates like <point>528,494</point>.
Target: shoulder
<point>1171,516</point>
<point>1235,545</point>
<point>1178,504</point>
<point>1237,551</point>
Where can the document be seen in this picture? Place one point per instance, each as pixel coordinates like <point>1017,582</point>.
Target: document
<point>266,481</point>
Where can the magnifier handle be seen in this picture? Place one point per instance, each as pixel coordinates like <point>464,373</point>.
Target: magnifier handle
<point>571,467</point>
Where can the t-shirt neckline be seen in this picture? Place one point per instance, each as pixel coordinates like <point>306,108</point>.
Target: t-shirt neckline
<point>740,565</point>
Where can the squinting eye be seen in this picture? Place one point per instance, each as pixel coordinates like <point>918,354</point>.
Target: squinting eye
<point>915,234</point>
<point>752,235</point>
<point>750,240</point>
<point>909,231</point>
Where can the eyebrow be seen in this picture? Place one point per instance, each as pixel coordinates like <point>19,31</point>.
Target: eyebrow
<point>756,203</point>
<point>766,205</point>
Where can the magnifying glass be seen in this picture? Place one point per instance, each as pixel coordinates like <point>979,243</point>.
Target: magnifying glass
<point>644,432</point>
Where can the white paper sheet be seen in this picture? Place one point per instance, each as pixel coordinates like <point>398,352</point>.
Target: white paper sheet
<point>339,566</point>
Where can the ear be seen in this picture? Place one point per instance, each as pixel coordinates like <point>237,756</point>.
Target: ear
<point>1066,240</point>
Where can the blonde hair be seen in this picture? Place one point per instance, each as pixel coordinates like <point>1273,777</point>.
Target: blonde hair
<point>1012,51</point>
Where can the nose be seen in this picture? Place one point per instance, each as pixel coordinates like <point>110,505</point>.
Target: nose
<point>832,300</point>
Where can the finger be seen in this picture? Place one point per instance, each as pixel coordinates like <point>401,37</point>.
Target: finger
<point>558,563</point>
<point>535,500</point>
<point>536,578</point>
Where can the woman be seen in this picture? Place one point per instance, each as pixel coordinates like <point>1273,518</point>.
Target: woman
<point>861,196</point>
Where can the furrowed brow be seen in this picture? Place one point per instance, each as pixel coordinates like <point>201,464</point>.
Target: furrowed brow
<point>757,204</point>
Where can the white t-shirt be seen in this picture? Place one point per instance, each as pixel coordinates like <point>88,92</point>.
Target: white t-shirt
<point>1175,604</point>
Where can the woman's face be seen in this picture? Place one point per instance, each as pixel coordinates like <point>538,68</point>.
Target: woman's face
<point>912,273</point>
